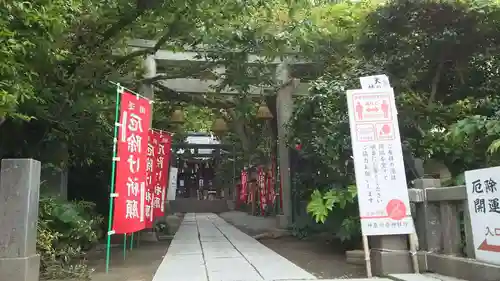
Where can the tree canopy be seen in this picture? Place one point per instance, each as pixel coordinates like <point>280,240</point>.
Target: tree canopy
<point>442,57</point>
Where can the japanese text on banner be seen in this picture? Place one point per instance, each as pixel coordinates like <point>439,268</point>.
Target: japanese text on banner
<point>132,145</point>
<point>151,180</point>
<point>261,183</point>
<point>161,171</point>
<point>378,161</point>
<point>484,207</point>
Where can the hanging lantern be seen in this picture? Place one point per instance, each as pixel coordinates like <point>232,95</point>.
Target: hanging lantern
<point>264,113</point>
<point>219,127</point>
<point>177,117</point>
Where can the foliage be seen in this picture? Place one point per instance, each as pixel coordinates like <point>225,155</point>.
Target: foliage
<point>66,230</point>
<point>442,59</point>
<point>340,200</point>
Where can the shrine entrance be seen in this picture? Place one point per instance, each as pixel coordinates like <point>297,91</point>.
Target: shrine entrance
<point>199,189</point>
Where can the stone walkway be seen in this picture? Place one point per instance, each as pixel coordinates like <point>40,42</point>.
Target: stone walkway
<point>207,248</point>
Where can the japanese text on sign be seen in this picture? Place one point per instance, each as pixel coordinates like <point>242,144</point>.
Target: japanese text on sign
<point>484,207</point>
<point>375,82</point>
<point>378,160</point>
<point>132,146</point>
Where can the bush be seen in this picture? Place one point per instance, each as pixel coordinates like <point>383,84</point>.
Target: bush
<point>66,230</point>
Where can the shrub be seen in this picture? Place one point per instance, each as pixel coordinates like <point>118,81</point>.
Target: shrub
<point>66,230</point>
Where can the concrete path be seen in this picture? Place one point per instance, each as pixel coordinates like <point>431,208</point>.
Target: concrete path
<point>207,248</point>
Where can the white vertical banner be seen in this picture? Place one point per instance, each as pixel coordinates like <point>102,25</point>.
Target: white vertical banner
<point>384,204</point>
<point>172,184</point>
<point>484,207</point>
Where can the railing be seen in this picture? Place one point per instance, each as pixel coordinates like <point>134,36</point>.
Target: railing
<point>442,222</point>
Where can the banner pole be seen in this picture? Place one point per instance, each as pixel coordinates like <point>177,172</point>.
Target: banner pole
<point>132,241</point>
<point>113,172</point>
<point>124,246</point>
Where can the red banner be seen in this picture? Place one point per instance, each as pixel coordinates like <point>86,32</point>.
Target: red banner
<point>243,190</point>
<point>161,171</point>
<point>261,184</point>
<point>150,183</point>
<point>271,194</point>
<point>132,145</point>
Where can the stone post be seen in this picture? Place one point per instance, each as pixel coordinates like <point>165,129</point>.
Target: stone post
<point>19,199</point>
<point>284,110</point>
<point>147,90</point>
<point>427,222</point>
<point>390,254</point>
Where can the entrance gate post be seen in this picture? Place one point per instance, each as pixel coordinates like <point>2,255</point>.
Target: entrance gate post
<point>284,110</point>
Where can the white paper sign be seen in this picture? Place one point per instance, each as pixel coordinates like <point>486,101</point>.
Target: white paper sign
<point>384,205</point>
<point>375,82</point>
<point>172,184</point>
<point>484,206</point>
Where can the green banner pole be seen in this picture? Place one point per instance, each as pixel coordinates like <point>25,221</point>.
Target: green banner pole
<point>113,172</point>
<point>125,246</point>
<point>132,241</point>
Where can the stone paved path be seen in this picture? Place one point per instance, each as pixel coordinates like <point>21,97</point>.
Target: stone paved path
<point>207,248</point>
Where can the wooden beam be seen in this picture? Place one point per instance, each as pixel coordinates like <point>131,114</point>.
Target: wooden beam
<point>197,86</point>
<point>198,54</point>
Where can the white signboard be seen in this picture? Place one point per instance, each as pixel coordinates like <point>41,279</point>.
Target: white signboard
<point>384,205</point>
<point>375,82</point>
<point>172,184</point>
<point>484,206</point>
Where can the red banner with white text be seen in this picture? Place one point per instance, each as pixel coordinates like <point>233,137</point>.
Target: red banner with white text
<point>161,171</point>
<point>151,180</point>
<point>261,184</point>
<point>132,145</point>
<point>243,189</point>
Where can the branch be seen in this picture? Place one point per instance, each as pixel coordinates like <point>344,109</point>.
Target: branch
<point>435,83</point>
<point>239,126</point>
<point>147,51</point>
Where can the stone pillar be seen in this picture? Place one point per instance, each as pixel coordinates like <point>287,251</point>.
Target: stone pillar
<point>149,65</point>
<point>390,254</point>
<point>19,199</point>
<point>284,110</point>
<point>427,218</point>
<point>147,90</point>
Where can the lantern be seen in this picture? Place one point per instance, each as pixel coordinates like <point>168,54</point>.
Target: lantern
<point>219,127</point>
<point>264,113</point>
<point>177,117</point>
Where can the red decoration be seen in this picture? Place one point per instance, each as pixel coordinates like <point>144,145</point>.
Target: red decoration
<point>161,171</point>
<point>271,194</point>
<point>298,146</point>
<point>261,184</point>
<point>243,189</point>
<point>281,180</point>
<point>131,159</point>
<point>151,181</point>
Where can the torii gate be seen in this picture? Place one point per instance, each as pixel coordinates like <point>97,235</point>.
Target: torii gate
<point>285,86</point>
